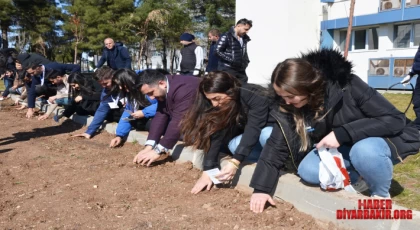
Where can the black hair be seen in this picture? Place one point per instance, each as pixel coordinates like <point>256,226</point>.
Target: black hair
<point>244,21</point>
<point>53,74</point>
<point>128,80</point>
<point>151,77</point>
<point>85,85</point>
<point>103,73</point>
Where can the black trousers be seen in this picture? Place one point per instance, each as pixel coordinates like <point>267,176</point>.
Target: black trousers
<point>416,103</point>
<point>240,75</point>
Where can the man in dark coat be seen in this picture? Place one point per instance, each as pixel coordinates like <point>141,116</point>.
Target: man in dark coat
<point>213,60</point>
<point>232,50</point>
<point>415,70</point>
<point>115,55</point>
<point>175,94</point>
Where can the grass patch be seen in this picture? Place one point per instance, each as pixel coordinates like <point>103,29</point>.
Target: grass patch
<point>405,189</point>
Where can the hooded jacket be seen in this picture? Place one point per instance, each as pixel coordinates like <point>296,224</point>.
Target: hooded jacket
<point>355,111</point>
<point>120,57</point>
<point>416,65</point>
<point>230,51</point>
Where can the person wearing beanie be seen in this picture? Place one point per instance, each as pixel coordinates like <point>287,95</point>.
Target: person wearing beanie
<point>191,56</point>
<point>232,50</point>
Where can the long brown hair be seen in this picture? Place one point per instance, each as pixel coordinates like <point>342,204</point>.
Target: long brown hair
<point>203,120</point>
<point>299,77</point>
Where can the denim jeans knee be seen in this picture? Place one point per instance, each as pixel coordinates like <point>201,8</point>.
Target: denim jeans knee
<point>256,151</point>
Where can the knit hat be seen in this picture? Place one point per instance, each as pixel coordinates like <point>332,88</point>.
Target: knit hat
<point>187,37</point>
<point>29,60</point>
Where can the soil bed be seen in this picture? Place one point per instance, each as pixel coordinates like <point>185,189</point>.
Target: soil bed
<point>50,180</point>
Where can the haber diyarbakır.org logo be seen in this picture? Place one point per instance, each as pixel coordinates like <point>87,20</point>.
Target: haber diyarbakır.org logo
<point>371,209</point>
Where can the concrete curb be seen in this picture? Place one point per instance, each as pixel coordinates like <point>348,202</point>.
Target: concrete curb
<point>310,200</point>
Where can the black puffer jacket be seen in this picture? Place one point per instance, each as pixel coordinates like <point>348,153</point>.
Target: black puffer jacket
<point>255,110</point>
<point>230,51</point>
<point>356,112</point>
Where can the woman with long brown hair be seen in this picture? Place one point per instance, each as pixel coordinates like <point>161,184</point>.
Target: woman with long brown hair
<point>226,117</point>
<point>321,103</point>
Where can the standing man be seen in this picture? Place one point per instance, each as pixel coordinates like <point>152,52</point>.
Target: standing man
<point>213,59</point>
<point>415,69</point>
<point>175,95</point>
<point>191,57</point>
<point>115,55</point>
<point>232,50</point>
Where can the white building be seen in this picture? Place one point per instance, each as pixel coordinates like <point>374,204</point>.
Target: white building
<point>281,29</point>
<point>384,39</point>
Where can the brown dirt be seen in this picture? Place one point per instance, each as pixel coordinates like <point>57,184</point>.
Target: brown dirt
<point>49,180</point>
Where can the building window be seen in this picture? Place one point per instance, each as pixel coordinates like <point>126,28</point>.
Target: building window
<point>360,39</point>
<point>366,39</point>
<point>416,34</point>
<point>379,67</point>
<point>390,4</point>
<point>409,3</point>
<point>373,40</point>
<point>343,35</point>
<point>402,35</point>
<point>402,67</point>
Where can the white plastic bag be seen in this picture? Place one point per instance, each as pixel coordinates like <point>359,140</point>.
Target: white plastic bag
<point>333,174</point>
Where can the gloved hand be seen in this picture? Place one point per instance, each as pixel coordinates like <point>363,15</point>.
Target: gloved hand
<point>196,72</point>
<point>406,80</point>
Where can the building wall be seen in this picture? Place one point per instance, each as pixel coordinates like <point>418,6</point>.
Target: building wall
<point>340,9</point>
<point>281,29</point>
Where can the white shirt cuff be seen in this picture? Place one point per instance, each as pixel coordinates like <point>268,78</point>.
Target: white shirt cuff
<point>151,143</point>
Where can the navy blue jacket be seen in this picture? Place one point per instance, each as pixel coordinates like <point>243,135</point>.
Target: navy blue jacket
<point>121,58</point>
<point>213,58</point>
<point>416,65</point>
<point>36,80</point>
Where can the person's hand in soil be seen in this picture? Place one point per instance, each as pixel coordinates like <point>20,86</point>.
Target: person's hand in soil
<point>146,156</point>
<point>203,182</point>
<point>16,102</point>
<point>85,135</point>
<point>43,117</point>
<point>258,201</point>
<point>228,171</point>
<point>30,113</point>
<point>115,142</point>
<point>21,107</point>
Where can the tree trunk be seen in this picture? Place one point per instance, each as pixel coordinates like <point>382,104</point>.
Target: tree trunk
<point>172,60</point>
<point>164,60</point>
<point>4,29</point>
<point>75,54</point>
<point>346,49</point>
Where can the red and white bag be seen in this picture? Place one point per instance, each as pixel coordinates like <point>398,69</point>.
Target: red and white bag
<point>333,174</point>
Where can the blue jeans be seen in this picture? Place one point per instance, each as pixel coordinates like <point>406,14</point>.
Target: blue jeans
<point>62,101</point>
<point>370,158</point>
<point>8,83</point>
<point>256,151</point>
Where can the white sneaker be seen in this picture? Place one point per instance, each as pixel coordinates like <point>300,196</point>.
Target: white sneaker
<point>380,197</point>
<point>1,98</point>
<point>360,186</point>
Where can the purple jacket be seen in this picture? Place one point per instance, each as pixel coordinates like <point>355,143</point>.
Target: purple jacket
<point>181,95</point>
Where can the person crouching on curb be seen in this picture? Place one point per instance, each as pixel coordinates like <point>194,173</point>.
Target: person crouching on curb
<point>139,109</point>
<point>226,117</point>
<point>319,101</point>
